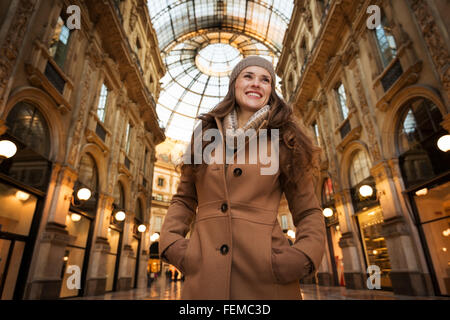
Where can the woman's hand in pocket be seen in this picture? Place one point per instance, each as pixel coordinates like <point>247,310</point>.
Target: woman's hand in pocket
<point>175,253</point>
<point>290,264</point>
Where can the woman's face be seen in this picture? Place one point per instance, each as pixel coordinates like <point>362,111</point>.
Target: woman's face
<point>253,87</point>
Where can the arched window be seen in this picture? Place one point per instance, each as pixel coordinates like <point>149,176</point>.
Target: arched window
<point>88,177</point>
<point>419,122</point>
<point>27,124</point>
<point>417,134</point>
<point>360,168</point>
<point>88,173</point>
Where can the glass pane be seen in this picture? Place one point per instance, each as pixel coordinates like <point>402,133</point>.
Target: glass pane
<point>73,257</point>
<point>27,124</point>
<point>101,109</point>
<point>16,210</point>
<point>56,36</point>
<point>360,168</point>
<point>434,204</point>
<point>13,270</point>
<point>386,42</point>
<point>110,269</point>
<point>437,235</point>
<point>78,229</point>
<point>4,250</point>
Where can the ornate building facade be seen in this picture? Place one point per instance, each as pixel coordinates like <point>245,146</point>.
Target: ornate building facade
<point>78,85</point>
<point>377,98</point>
<point>166,178</point>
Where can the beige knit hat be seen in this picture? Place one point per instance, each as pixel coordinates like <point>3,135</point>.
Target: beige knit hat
<point>253,61</point>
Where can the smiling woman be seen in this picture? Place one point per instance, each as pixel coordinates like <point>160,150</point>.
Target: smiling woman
<point>237,249</point>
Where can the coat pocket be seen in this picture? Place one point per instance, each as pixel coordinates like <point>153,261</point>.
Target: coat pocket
<point>190,258</point>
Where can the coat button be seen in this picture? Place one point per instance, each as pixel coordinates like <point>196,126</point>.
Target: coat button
<point>224,249</point>
<point>237,172</point>
<point>224,207</point>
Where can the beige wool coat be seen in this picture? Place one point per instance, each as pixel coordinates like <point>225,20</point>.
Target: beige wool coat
<point>237,249</point>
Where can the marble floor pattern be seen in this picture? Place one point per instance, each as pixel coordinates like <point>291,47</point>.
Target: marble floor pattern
<point>163,289</point>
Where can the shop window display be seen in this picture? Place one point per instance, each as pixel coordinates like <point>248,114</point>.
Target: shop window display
<point>434,213</point>
<point>374,243</point>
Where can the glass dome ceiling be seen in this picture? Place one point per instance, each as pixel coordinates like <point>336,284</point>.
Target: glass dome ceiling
<point>200,42</point>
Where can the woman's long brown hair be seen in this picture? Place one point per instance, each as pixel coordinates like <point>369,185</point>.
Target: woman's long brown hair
<point>300,156</point>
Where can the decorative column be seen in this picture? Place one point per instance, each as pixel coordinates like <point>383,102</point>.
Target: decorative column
<point>124,278</point>
<point>353,273</point>
<point>96,281</point>
<point>46,280</point>
<point>325,274</point>
<point>436,43</point>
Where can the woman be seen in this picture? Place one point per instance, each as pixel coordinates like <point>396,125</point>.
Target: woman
<point>237,249</point>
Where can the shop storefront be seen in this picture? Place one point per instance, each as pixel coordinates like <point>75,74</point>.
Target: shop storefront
<point>426,173</point>
<point>80,223</point>
<point>374,244</point>
<point>369,218</point>
<point>24,179</point>
<point>433,207</point>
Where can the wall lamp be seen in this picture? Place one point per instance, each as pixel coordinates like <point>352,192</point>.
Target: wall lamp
<point>327,212</point>
<point>365,191</point>
<point>120,215</point>
<point>141,228</point>
<point>7,149</point>
<point>154,237</point>
<point>82,195</point>
<point>444,143</point>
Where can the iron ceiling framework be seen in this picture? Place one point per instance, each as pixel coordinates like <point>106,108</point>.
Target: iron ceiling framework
<point>200,42</point>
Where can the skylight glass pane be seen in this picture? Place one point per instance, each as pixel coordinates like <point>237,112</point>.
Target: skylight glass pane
<point>198,67</point>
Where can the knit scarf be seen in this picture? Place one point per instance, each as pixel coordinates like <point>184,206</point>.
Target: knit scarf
<point>230,125</point>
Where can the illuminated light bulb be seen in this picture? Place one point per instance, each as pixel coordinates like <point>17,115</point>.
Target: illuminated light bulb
<point>365,190</point>
<point>446,232</point>
<point>142,228</point>
<point>7,149</point>
<point>444,249</point>
<point>444,143</point>
<point>66,258</point>
<point>421,192</point>
<point>154,236</point>
<point>327,212</point>
<point>75,217</point>
<point>371,213</point>
<point>337,228</point>
<point>20,195</point>
<point>84,194</point>
<point>375,252</point>
<point>291,234</point>
<point>119,216</point>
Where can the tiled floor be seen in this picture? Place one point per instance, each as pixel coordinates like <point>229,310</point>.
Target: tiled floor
<point>162,289</point>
